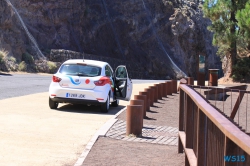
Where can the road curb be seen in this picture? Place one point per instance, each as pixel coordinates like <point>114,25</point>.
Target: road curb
<point>101,132</point>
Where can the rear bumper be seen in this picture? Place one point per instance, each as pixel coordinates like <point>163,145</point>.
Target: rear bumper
<point>76,101</point>
<point>90,95</point>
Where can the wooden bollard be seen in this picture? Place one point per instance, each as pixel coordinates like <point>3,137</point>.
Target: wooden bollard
<point>147,104</point>
<point>133,118</point>
<point>165,89</point>
<point>174,86</point>
<point>139,102</point>
<point>152,94</point>
<point>169,87</point>
<point>162,90</point>
<point>158,91</point>
<point>190,80</point>
<point>164,93</point>
<point>155,92</point>
<point>201,79</point>
<point>149,96</point>
<point>144,99</point>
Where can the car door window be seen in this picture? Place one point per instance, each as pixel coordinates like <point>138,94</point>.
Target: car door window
<point>108,71</point>
<point>121,72</point>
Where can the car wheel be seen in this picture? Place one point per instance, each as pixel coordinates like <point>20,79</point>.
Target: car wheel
<point>52,104</point>
<point>105,106</point>
<point>115,103</point>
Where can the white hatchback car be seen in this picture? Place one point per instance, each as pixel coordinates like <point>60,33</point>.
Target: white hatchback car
<point>89,82</point>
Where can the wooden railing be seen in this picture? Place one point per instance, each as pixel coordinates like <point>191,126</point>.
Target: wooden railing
<point>206,136</point>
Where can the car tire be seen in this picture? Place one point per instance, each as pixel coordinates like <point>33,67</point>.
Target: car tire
<point>52,104</point>
<point>105,106</point>
<point>115,103</point>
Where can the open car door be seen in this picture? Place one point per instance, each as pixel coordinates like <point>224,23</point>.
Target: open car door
<point>123,84</point>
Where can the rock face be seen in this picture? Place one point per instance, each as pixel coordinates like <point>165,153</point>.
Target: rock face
<point>191,38</point>
<point>11,35</point>
<point>141,31</point>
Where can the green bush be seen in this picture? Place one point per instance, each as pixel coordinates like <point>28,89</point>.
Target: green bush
<point>22,66</point>
<point>27,58</point>
<point>52,67</point>
<point>241,71</point>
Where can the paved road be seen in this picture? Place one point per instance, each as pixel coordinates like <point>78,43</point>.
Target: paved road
<point>32,134</point>
<point>24,84</point>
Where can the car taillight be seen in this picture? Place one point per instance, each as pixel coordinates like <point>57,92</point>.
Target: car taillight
<point>56,79</point>
<point>103,81</point>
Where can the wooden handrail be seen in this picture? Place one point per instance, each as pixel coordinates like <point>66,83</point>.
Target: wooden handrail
<point>228,128</point>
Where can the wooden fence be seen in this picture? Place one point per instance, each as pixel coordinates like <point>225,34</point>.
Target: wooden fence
<point>206,136</point>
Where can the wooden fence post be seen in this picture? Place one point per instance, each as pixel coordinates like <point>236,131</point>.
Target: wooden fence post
<point>181,119</point>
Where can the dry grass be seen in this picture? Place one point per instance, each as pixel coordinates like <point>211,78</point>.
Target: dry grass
<point>52,66</point>
<point>22,66</point>
<point>3,54</point>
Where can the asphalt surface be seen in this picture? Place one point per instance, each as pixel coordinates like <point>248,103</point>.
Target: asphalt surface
<point>14,85</point>
<point>23,84</point>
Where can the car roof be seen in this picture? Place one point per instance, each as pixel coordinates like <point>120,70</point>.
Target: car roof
<point>86,61</point>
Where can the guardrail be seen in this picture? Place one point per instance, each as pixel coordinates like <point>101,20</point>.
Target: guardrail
<point>206,136</point>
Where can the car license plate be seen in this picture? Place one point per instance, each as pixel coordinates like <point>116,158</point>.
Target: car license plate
<point>75,95</point>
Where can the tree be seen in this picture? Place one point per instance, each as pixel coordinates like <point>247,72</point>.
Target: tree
<point>224,26</point>
<point>243,17</point>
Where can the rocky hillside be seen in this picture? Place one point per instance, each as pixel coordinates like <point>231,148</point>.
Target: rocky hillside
<point>141,31</point>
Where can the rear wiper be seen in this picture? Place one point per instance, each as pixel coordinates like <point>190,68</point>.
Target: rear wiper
<point>81,74</point>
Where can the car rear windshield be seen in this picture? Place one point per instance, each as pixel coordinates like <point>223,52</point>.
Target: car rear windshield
<point>80,70</point>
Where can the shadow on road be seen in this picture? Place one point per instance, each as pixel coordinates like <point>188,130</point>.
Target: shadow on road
<point>5,74</point>
<point>78,108</point>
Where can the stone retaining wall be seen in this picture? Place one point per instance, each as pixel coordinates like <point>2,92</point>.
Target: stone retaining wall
<point>135,70</point>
